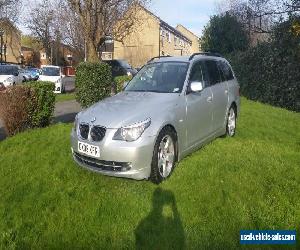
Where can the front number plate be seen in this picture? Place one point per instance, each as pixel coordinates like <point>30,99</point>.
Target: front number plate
<point>88,149</point>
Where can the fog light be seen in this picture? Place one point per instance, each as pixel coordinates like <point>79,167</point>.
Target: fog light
<point>127,167</point>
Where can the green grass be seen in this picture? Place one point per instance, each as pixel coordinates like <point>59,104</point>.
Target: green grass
<point>251,181</point>
<point>65,97</point>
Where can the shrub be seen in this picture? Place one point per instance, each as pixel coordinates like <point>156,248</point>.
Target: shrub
<point>270,71</point>
<point>93,83</point>
<point>27,106</point>
<point>43,104</point>
<point>268,75</point>
<point>14,105</point>
<point>119,81</point>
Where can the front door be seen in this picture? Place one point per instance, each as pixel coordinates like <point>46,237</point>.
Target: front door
<point>199,107</point>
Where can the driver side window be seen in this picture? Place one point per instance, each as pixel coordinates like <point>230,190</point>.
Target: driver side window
<point>199,74</point>
<point>196,73</point>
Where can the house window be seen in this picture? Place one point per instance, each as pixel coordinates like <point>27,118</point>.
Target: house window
<point>169,37</point>
<point>43,56</point>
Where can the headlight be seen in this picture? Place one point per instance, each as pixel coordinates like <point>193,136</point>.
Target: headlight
<point>9,79</point>
<point>132,132</point>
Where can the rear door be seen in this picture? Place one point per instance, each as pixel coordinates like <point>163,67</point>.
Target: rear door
<point>219,88</point>
<point>199,107</point>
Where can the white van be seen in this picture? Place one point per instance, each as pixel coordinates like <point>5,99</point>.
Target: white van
<point>53,74</point>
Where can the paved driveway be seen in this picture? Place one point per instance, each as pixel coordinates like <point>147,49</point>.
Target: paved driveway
<point>64,112</point>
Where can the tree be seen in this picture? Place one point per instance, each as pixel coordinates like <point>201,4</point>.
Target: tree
<point>260,16</point>
<point>41,24</point>
<point>224,34</point>
<point>71,30</point>
<point>10,9</point>
<point>102,18</point>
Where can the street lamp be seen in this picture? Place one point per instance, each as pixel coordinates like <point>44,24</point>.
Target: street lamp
<point>1,44</point>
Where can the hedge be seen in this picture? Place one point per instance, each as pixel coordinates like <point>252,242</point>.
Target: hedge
<point>44,103</point>
<point>27,106</point>
<point>120,80</point>
<point>269,74</point>
<point>93,83</point>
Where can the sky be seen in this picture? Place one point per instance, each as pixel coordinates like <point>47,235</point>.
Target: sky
<point>193,14</point>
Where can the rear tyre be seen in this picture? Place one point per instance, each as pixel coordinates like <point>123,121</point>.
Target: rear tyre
<point>231,122</point>
<point>164,155</point>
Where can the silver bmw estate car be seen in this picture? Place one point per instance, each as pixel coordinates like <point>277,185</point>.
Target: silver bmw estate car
<point>172,107</point>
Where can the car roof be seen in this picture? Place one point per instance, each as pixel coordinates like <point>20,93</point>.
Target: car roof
<point>184,58</point>
<point>50,66</point>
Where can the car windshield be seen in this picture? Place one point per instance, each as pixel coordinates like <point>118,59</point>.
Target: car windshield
<point>162,77</point>
<point>50,71</point>
<point>8,70</point>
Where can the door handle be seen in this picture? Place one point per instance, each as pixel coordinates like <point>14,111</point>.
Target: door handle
<point>209,99</point>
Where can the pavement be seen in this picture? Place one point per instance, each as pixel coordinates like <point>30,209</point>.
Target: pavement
<point>64,112</point>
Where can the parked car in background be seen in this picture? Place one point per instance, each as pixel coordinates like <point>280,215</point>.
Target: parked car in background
<point>172,107</point>
<point>53,74</point>
<point>25,75</point>
<point>121,68</point>
<point>33,72</point>
<point>10,75</point>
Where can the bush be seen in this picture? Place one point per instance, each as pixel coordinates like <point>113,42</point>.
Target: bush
<point>14,106</point>
<point>119,81</point>
<point>27,106</point>
<point>43,104</point>
<point>93,83</point>
<point>269,76</point>
<point>270,71</point>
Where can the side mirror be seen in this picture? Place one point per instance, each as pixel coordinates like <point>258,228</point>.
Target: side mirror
<point>125,84</point>
<point>196,86</point>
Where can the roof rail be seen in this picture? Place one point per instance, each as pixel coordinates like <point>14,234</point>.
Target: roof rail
<point>208,53</point>
<point>156,58</point>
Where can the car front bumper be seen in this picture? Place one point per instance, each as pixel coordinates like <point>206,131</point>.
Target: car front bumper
<point>117,158</point>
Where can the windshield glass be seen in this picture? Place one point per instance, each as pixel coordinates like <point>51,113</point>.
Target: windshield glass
<point>50,71</point>
<point>163,77</point>
<point>8,70</point>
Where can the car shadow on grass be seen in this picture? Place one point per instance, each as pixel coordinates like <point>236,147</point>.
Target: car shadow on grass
<point>162,228</point>
<point>65,118</point>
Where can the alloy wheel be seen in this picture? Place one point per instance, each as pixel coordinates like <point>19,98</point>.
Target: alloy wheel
<point>231,125</point>
<point>166,156</point>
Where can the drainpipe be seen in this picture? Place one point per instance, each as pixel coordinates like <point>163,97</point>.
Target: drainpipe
<point>159,41</point>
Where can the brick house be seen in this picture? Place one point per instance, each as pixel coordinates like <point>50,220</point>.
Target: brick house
<point>11,47</point>
<point>153,37</point>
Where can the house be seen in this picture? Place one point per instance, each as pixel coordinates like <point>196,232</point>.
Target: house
<point>60,54</point>
<point>10,40</point>
<point>152,37</point>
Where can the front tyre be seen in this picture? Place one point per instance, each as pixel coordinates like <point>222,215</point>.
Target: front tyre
<point>164,156</point>
<point>231,122</point>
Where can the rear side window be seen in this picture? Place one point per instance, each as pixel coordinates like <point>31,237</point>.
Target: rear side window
<point>213,72</point>
<point>226,70</point>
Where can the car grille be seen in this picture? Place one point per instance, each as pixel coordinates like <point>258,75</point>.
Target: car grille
<point>98,133</point>
<point>84,131</point>
<point>111,166</point>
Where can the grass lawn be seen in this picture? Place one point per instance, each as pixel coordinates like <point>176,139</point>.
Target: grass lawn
<point>251,181</point>
<point>65,97</point>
